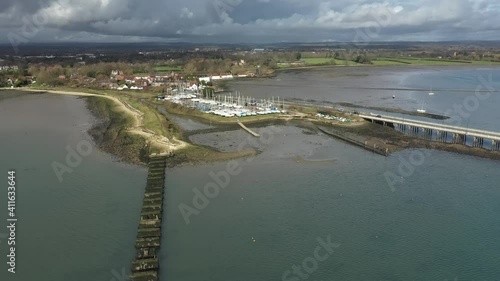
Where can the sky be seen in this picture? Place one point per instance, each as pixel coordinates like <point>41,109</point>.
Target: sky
<point>247,21</point>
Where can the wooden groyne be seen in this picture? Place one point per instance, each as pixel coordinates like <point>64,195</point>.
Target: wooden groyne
<point>375,149</point>
<point>146,265</point>
<point>248,130</point>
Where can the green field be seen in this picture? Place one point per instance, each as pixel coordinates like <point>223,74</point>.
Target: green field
<point>168,68</point>
<point>326,61</point>
<point>428,61</point>
<point>395,61</point>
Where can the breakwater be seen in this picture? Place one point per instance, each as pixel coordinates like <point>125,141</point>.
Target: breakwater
<point>146,264</point>
<point>375,149</point>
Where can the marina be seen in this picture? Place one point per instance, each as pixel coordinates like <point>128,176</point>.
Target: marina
<point>227,105</point>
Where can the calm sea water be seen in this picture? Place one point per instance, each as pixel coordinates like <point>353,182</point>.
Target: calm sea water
<point>453,87</point>
<point>439,222</point>
<point>82,228</point>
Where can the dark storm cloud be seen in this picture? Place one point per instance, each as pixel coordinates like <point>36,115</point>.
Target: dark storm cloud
<point>251,20</point>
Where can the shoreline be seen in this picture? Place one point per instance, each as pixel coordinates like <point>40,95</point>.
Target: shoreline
<point>405,66</point>
<point>158,145</point>
<point>120,131</point>
<point>121,135</point>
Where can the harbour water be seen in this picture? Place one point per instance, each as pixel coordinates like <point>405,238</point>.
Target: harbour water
<point>439,221</point>
<point>81,228</point>
<point>375,87</point>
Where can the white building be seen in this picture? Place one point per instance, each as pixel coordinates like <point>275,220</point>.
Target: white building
<point>194,87</point>
<point>204,79</point>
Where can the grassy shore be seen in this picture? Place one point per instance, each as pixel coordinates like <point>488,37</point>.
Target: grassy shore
<point>131,128</point>
<point>313,62</point>
<point>328,61</point>
<point>110,134</point>
<point>428,62</point>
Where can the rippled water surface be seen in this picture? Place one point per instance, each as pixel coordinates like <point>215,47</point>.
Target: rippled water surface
<point>438,220</point>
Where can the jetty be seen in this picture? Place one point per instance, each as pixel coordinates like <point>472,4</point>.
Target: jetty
<point>146,264</point>
<point>247,129</point>
<point>383,151</point>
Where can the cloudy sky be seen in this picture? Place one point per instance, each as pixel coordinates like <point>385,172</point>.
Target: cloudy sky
<point>250,21</point>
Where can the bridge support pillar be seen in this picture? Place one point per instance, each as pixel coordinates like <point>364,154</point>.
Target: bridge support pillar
<point>459,139</point>
<point>478,142</point>
<point>443,136</point>
<point>431,133</point>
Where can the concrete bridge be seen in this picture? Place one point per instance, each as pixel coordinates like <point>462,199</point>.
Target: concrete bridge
<point>439,132</point>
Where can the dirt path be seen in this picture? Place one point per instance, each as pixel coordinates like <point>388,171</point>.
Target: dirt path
<point>166,145</point>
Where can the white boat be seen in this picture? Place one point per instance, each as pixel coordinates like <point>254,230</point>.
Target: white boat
<point>421,110</point>
<point>431,93</point>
